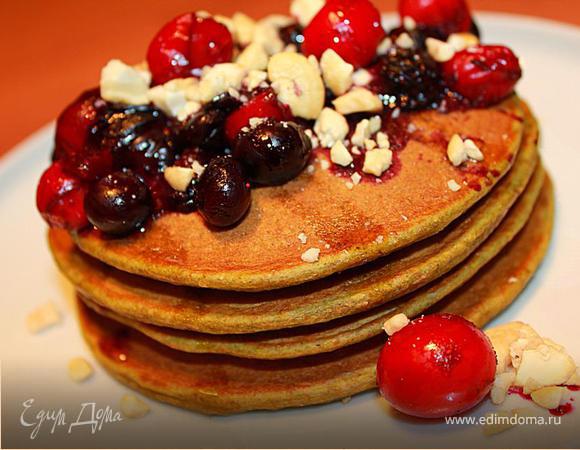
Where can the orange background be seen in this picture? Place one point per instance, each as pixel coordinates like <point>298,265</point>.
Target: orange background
<point>52,50</point>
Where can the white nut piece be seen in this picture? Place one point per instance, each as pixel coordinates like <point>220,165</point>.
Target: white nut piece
<point>545,365</point>
<point>365,129</point>
<point>336,72</point>
<point>456,151</point>
<point>243,28</point>
<point>253,57</point>
<point>43,317</point>
<point>504,335</point>
<point>395,323</point>
<point>254,79</point>
<point>357,100</point>
<point>124,84</point>
<point>361,77</point>
<point>405,41</point>
<point>440,51</point>
<point>548,397</point>
<point>499,424</point>
<point>501,385</point>
<point>472,150</point>
<point>266,34</point>
<point>79,369</point>
<point>330,127</point>
<point>311,255</point>
<point>133,407</point>
<point>219,78</point>
<point>453,186</point>
<point>305,10</point>
<point>384,46</point>
<point>179,178</point>
<point>377,161</point>
<point>297,84</point>
<point>461,41</point>
<point>340,155</point>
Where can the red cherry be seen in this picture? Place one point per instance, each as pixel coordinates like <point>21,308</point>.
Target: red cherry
<point>445,16</point>
<point>187,43</point>
<point>60,199</point>
<point>263,105</point>
<point>484,74</point>
<point>439,365</point>
<point>75,143</point>
<point>352,28</point>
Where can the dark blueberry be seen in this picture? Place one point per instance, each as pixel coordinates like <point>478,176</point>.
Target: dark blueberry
<point>409,79</point>
<point>206,129</point>
<point>223,192</point>
<point>273,152</point>
<point>185,202</point>
<point>139,137</point>
<point>292,35</point>
<point>118,203</point>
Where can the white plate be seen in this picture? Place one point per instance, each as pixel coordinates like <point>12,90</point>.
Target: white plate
<point>35,366</point>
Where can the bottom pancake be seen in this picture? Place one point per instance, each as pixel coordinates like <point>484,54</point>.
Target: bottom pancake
<point>224,384</point>
<point>330,336</point>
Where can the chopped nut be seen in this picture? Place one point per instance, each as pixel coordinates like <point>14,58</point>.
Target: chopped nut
<point>546,365</point>
<point>453,185</point>
<point>311,255</point>
<point>340,155</point>
<point>365,129</point>
<point>254,79</point>
<point>356,178</point>
<point>125,84</point>
<point>79,369</point>
<point>440,51</point>
<point>383,140</point>
<point>42,318</point>
<point>197,168</point>
<point>405,41</point>
<point>305,10</point>
<point>472,150</point>
<point>548,397</point>
<point>384,46</point>
<point>349,185</point>
<point>179,178</point>
<point>395,323</point>
<point>244,28</point>
<point>409,23</point>
<point>336,72</point>
<point>253,57</point>
<point>370,144</point>
<point>501,385</point>
<point>330,127</point>
<point>461,41</point>
<point>133,407</point>
<point>361,77</point>
<point>302,238</point>
<point>219,78</point>
<point>324,164</point>
<point>379,239</point>
<point>500,423</point>
<point>574,380</point>
<point>456,150</point>
<point>377,161</point>
<point>531,385</point>
<point>358,100</point>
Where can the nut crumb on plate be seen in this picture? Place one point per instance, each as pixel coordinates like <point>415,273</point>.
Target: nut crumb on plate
<point>43,317</point>
<point>133,407</point>
<point>79,369</point>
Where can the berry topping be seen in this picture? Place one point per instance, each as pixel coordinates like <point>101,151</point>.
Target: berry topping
<point>438,365</point>
<point>263,105</point>
<point>75,142</point>
<point>273,152</point>
<point>223,192</point>
<point>207,129</point>
<point>408,78</point>
<point>59,199</point>
<point>139,137</point>
<point>352,28</point>
<point>187,43</point>
<point>484,74</point>
<point>442,17</point>
<point>118,203</point>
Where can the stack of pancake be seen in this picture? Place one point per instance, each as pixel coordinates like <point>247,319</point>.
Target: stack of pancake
<point>237,320</point>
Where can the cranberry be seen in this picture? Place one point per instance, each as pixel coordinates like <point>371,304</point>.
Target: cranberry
<point>139,138</point>
<point>273,152</point>
<point>59,199</point>
<point>206,129</point>
<point>75,142</point>
<point>443,16</point>
<point>484,74</point>
<point>223,192</point>
<point>352,28</point>
<point>118,203</point>
<point>186,43</point>
<point>264,104</point>
<point>409,79</point>
<point>438,365</point>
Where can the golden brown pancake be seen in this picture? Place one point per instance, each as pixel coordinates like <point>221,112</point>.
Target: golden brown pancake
<point>340,333</point>
<point>263,252</point>
<point>224,385</point>
<point>357,290</point>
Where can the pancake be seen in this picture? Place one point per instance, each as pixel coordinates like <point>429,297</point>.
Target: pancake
<point>340,333</point>
<point>263,252</point>
<point>351,292</point>
<point>224,385</point>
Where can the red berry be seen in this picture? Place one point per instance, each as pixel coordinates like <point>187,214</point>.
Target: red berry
<point>187,43</point>
<point>445,16</point>
<point>352,28</point>
<point>60,199</point>
<point>439,365</point>
<point>263,105</point>
<point>75,142</point>
<point>484,74</point>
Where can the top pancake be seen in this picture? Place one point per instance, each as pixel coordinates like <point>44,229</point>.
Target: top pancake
<point>263,252</point>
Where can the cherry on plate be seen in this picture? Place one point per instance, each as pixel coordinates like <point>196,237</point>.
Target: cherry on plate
<point>60,199</point>
<point>437,366</point>
<point>118,203</point>
<point>273,152</point>
<point>484,74</point>
<point>223,192</point>
<point>352,28</point>
<point>442,16</point>
<point>264,104</point>
<point>186,43</point>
